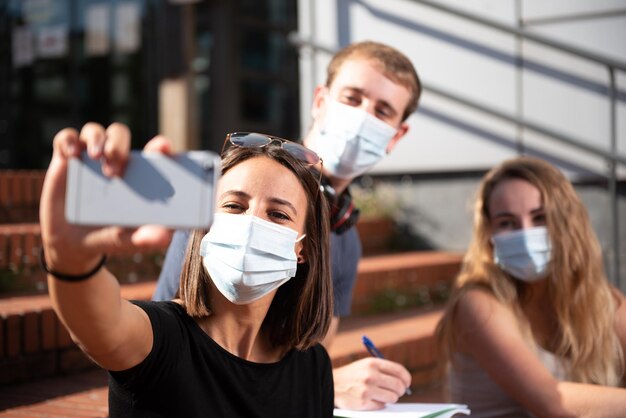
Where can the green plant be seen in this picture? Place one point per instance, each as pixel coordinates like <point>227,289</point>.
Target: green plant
<point>380,200</point>
<point>392,300</point>
<point>21,281</point>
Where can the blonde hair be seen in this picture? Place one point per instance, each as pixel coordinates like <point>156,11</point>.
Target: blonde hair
<point>581,295</point>
<point>394,65</point>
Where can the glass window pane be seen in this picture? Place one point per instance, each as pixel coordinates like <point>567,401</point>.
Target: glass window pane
<point>270,11</point>
<point>264,51</point>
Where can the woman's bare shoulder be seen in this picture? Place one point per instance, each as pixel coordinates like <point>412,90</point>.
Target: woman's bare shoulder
<point>480,316</point>
<point>479,304</point>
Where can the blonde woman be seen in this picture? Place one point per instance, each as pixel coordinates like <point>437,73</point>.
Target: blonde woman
<point>533,327</point>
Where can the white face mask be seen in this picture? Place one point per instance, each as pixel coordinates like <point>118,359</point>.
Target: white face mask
<point>524,254</point>
<point>248,257</point>
<point>351,141</point>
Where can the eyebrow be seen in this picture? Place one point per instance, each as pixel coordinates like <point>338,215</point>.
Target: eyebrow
<point>539,209</point>
<point>504,213</point>
<point>285,203</point>
<point>245,195</point>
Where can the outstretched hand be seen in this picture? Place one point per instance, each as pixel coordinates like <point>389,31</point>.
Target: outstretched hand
<point>370,383</point>
<point>74,249</point>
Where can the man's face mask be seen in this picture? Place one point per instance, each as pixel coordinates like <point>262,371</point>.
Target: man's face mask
<point>524,254</point>
<point>248,257</point>
<point>350,140</point>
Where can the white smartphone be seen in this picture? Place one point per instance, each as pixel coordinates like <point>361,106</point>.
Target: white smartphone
<point>175,191</point>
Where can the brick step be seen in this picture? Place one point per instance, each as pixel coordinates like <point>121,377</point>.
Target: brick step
<point>385,282</point>
<point>78,395</point>
<point>20,191</point>
<point>20,245</point>
<point>34,344</point>
<point>394,282</point>
<point>406,337</point>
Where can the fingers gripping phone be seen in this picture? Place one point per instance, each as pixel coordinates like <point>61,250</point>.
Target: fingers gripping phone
<point>174,191</point>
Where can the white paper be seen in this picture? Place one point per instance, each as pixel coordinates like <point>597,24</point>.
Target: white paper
<point>97,20</point>
<point>415,410</point>
<point>127,27</point>
<point>23,46</point>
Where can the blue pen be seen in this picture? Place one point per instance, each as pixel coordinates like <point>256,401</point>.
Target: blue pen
<point>371,348</point>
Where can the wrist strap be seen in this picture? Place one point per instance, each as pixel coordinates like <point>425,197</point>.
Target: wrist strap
<point>69,277</point>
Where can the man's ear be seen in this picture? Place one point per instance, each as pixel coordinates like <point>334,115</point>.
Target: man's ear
<point>318,98</point>
<point>402,130</point>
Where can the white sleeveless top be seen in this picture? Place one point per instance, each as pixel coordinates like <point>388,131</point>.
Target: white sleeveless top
<point>469,384</point>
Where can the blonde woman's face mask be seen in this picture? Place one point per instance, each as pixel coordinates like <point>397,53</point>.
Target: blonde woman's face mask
<point>520,238</point>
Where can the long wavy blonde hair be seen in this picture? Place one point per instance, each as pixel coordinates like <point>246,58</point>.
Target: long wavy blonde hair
<point>581,295</point>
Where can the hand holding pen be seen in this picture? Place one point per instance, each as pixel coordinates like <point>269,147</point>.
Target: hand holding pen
<point>371,348</point>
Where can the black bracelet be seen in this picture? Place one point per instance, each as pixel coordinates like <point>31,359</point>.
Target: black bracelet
<point>69,277</point>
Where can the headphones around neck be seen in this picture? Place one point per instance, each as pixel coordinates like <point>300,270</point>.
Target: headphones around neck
<point>343,213</point>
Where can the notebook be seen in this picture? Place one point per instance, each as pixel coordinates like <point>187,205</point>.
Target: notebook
<point>413,410</point>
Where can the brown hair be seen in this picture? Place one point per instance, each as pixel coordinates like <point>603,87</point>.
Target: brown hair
<point>580,293</point>
<point>394,65</point>
<point>302,308</point>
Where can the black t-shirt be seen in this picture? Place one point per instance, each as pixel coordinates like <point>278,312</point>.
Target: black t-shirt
<point>187,374</point>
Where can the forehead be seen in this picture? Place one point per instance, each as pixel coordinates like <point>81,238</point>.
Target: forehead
<point>263,176</point>
<point>514,195</point>
<point>367,75</point>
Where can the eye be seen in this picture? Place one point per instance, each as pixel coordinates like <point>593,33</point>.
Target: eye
<point>233,207</point>
<point>351,99</point>
<point>383,113</point>
<point>539,219</point>
<point>279,216</point>
<point>504,225</point>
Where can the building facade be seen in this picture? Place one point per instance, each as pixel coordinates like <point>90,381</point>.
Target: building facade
<point>192,70</point>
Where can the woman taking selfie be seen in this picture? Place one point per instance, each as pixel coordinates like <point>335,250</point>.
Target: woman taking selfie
<point>533,327</point>
<point>255,295</point>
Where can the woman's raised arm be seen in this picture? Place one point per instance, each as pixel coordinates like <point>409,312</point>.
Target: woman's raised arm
<point>113,332</point>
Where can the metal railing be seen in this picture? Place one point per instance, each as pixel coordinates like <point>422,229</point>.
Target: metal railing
<point>612,158</point>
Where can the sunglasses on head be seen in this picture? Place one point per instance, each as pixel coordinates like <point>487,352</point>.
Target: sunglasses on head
<point>256,140</point>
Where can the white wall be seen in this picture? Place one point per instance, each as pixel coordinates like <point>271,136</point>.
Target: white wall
<point>557,91</point>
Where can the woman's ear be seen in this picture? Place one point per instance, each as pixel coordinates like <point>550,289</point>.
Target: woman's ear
<point>300,252</point>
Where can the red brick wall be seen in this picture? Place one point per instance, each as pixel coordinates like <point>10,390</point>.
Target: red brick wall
<point>35,344</point>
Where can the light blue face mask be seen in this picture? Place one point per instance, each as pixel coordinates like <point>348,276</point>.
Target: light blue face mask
<point>351,141</point>
<point>524,254</point>
<point>248,257</point>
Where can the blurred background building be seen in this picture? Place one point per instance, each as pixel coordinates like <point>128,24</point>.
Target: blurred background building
<point>501,77</point>
<point>191,70</point>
